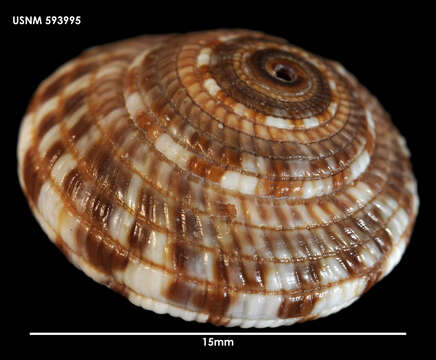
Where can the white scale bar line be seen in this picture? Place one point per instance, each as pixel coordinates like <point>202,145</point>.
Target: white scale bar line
<point>213,333</point>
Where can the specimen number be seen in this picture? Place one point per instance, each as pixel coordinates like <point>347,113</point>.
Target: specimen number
<point>210,341</point>
<point>47,20</point>
<point>63,20</point>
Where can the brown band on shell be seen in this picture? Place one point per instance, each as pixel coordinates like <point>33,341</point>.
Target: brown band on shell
<point>31,176</point>
<point>54,153</point>
<point>46,124</point>
<point>297,306</point>
<point>53,87</point>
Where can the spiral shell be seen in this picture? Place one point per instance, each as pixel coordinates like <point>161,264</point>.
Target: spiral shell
<point>223,176</point>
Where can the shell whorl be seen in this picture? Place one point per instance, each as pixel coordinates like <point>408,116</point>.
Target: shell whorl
<point>223,176</point>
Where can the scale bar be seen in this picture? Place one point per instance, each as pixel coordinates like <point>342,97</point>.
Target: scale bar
<point>217,333</point>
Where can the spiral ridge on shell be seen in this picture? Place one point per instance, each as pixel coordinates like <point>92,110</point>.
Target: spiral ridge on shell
<point>223,176</point>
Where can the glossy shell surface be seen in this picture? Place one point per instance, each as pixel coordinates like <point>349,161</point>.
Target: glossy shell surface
<point>223,176</point>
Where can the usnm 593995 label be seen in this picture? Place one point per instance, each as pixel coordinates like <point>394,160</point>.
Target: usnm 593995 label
<point>46,20</point>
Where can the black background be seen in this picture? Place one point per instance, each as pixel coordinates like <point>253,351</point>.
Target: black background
<point>379,47</point>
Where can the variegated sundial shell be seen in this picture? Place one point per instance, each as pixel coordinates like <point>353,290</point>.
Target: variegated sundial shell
<point>223,176</point>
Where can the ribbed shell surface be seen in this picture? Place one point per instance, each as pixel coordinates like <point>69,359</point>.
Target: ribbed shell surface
<point>223,176</point>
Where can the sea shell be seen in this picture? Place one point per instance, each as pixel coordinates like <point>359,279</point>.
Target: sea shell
<point>223,176</point>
